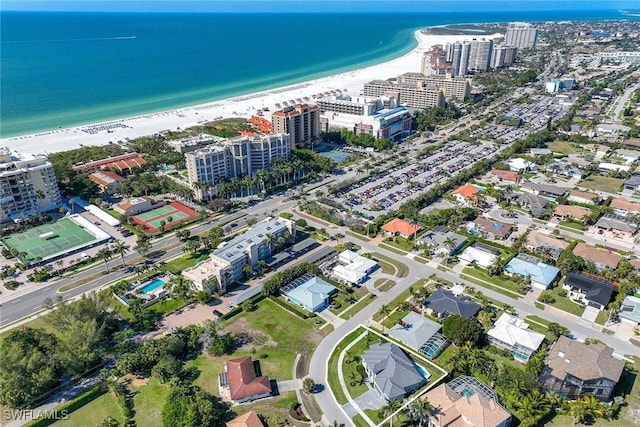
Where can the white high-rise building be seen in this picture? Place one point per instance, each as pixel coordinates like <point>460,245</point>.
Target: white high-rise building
<point>234,158</point>
<point>458,54</point>
<point>480,58</point>
<point>503,56</point>
<point>27,185</point>
<point>521,35</point>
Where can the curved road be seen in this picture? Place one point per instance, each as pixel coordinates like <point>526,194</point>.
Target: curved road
<point>319,361</point>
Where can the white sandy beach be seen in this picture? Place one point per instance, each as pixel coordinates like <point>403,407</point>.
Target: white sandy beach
<point>242,106</point>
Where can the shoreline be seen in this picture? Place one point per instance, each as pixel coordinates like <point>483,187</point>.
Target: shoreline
<point>241,106</point>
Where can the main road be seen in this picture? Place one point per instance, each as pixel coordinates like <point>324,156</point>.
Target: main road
<point>319,361</point>
<point>22,304</point>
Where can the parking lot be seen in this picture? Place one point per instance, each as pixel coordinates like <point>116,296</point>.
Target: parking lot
<point>387,190</point>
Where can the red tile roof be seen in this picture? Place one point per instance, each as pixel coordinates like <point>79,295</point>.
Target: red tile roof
<point>572,211</point>
<point>467,191</point>
<point>401,226</point>
<point>505,175</point>
<point>104,178</point>
<point>243,382</point>
<point>121,162</point>
<point>250,419</point>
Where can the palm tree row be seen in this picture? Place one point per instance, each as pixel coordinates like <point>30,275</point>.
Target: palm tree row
<point>107,253</point>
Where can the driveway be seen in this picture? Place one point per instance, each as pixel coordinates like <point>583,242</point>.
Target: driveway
<point>370,400</point>
<point>590,313</point>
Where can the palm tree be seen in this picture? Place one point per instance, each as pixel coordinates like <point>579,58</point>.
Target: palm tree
<point>497,268</point>
<point>72,203</point>
<point>339,236</point>
<point>412,294</point>
<point>577,410</point>
<point>105,254</point>
<point>142,247</point>
<point>384,310</point>
<point>593,407</point>
<point>420,410</point>
<point>270,239</point>
<point>121,249</point>
<point>531,406</point>
<point>391,408</point>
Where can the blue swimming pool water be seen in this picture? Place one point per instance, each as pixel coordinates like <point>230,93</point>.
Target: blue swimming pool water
<point>423,371</point>
<point>336,155</point>
<point>153,285</point>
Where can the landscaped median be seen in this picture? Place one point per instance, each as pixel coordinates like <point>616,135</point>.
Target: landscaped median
<point>347,376</point>
<point>401,269</point>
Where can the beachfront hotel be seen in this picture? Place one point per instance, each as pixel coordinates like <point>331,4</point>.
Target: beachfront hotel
<point>521,35</point>
<point>417,90</point>
<point>379,117</point>
<point>301,122</point>
<point>234,158</point>
<point>225,265</point>
<point>503,56</point>
<point>27,185</point>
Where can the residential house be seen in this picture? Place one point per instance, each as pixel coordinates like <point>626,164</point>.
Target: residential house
<point>629,156</point>
<point>353,268</point>
<point>573,212</point>
<point>466,194</point>
<point>630,310</point>
<point>489,229</point>
<point>392,373</point>
<point>540,152</point>
<point>514,335</point>
<point>521,165</point>
<point>135,206</point>
<point>480,254</point>
<point>606,168</point>
<point>545,190</point>
<point>545,244</point>
<point>586,289</point>
<point>612,129</point>
<point>542,275</point>
<point>624,207</point>
<point>443,303</point>
<point>631,143</point>
<point>466,401</point>
<point>584,198</point>
<point>419,333</point>
<point>241,383</point>
<point>309,292</point>
<point>632,183</point>
<point>616,226</point>
<point>108,182</point>
<point>566,170</point>
<point>401,227</point>
<point>442,240</point>
<point>505,176</point>
<point>535,205</point>
<point>250,419</point>
<point>602,258</point>
<point>574,370</point>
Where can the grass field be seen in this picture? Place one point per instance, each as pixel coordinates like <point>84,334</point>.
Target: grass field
<point>93,413</point>
<point>401,269</point>
<point>148,401</point>
<point>346,314</point>
<point>602,183</point>
<point>564,303</point>
<point>332,371</point>
<point>504,287</point>
<point>65,234</point>
<point>563,147</point>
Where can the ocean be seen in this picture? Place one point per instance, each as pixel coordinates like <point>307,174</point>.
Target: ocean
<point>61,69</point>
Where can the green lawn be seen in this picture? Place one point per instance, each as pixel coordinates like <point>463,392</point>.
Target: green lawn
<point>401,298</point>
<point>602,183</point>
<point>390,246</point>
<point>346,314</point>
<point>384,284</point>
<point>355,383</point>
<point>148,402</point>
<point>562,147</point>
<point>538,319</point>
<point>334,382</point>
<point>276,337</point>
<point>177,265</point>
<point>602,317</point>
<point>342,299</point>
<point>573,226</point>
<point>503,286</point>
<point>94,412</point>
<point>402,269</point>
<point>393,318</point>
<point>386,267</point>
<point>421,260</point>
<point>564,303</point>
<point>400,242</point>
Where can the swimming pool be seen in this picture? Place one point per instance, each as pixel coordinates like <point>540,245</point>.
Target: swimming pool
<point>336,155</point>
<point>423,371</point>
<point>152,286</point>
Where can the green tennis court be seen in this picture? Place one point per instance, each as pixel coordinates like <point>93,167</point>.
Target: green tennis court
<point>158,212</point>
<point>171,214</point>
<point>48,239</point>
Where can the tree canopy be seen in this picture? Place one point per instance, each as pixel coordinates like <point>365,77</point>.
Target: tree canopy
<point>461,330</point>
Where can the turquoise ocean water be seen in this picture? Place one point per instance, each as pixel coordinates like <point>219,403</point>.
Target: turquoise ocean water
<point>63,69</point>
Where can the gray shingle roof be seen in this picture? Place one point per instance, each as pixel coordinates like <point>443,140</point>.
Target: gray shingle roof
<point>445,302</point>
<point>394,373</point>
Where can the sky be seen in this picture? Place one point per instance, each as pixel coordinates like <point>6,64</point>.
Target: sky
<point>308,5</point>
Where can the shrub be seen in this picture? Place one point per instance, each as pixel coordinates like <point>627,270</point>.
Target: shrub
<point>547,297</point>
<point>12,285</point>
